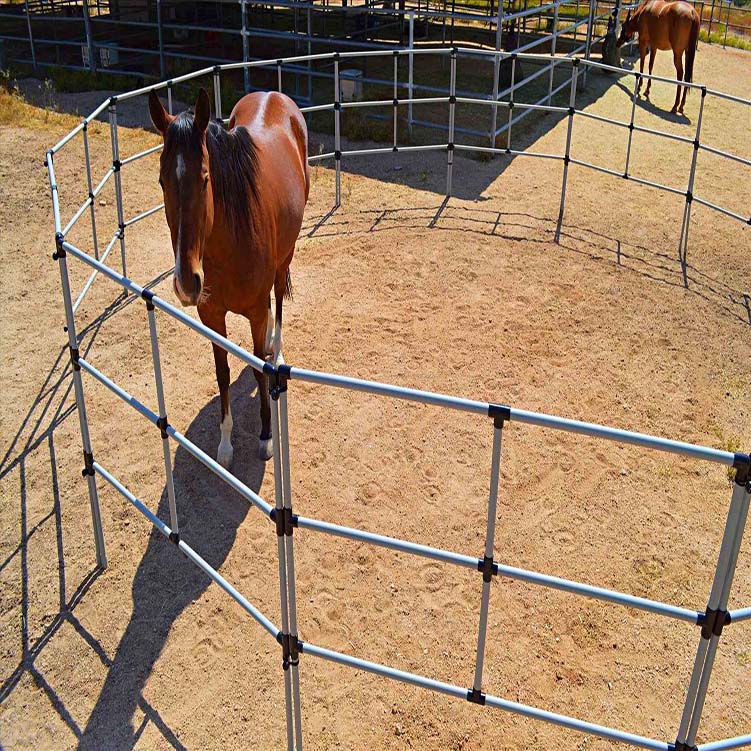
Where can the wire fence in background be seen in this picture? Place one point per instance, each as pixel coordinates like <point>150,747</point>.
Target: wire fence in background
<point>711,620</point>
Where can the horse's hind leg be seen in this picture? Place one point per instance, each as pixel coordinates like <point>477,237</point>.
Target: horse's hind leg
<point>642,55</point>
<point>678,62</point>
<point>258,329</point>
<point>652,56</point>
<point>269,329</point>
<point>216,321</point>
<point>280,289</point>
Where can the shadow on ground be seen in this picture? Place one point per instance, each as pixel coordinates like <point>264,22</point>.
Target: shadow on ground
<point>652,264</point>
<point>209,516</point>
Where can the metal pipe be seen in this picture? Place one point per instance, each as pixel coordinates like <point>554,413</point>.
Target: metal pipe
<point>497,72</point>
<point>89,184</point>
<point>189,553</point>
<point>89,38</point>
<point>160,39</point>
<point>337,134</point>
<point>492,701</point>
<point>246,45</point>
<point>411,71</point>
<point>741,614</point>
<point>141,154</point>
<point>683,240</point>
<point>572,109</point>
<point>143,215</point>
<point>162,417</point>
<point>253,498</point>
<point>31,36</point>
<point>718,597</point>
<point>118,184</point>
<point>96,518</point>
<point>452,117</point>
<point>487,576</point>
<point>217,95</point>
<point>282,563</point>
<point>740,741</point>
<point>552,51</point>
<point>290,563</point>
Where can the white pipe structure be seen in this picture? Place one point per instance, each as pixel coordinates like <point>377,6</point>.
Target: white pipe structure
<point>712,620</point>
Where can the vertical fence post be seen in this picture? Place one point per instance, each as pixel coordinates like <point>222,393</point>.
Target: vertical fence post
<point>278,75</point>
<point>496,73</point>
<point>487,564</point>
<point>160,39</point>
<point>31,36</point>
<point>567,157</point>
<point>715,616</point>
<point>89,38</point>
<point>637,84</point>
<point>217,93</point>
<point>411,72</point>
<point>88,457</point>
<point>169,98</point>
<point>118,185</point>
<point>91,189</point>
<point>588,47</point>
<point>246,47</point>
<point>396,98</point>
<point>290,559</point>
<point>511,101</point>
<point>162,422</point>
<point>452,117</point>
<point>337,132</point>
<point>683,241</point>
<point>727,25</point>
<point>279,518</point>
<point>552,51</point>
<point>310,52</point>
<point>711,16</point>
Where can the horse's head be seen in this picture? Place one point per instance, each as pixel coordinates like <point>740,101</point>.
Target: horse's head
<point>188,199</point>
<point>628,29</point>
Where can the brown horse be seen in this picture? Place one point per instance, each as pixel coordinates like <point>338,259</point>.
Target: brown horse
<point>234,201</point>
<point>664,26</point>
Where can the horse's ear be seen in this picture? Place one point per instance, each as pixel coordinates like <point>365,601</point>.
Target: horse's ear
<point>203,111</point>
<point>159,116</point>
<point>628,15</point>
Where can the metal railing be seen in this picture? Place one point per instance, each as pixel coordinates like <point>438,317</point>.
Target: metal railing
<point>712,620</point>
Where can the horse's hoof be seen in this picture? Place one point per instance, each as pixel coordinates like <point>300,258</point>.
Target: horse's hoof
<point>224,455</point>
<point>265,449</point>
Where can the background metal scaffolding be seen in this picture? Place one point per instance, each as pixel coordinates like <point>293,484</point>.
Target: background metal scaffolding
<point>712,620</point>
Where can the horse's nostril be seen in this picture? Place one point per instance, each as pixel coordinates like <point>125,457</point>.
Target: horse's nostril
<point>197,284</point>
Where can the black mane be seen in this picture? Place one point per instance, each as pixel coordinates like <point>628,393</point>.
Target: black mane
<point>233,167</point>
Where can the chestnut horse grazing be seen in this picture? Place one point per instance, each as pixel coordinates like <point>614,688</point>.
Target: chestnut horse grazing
<point>234,201</point>
<point>664,26</point>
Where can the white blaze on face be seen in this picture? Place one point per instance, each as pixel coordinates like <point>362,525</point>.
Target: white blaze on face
<point>179,174</point>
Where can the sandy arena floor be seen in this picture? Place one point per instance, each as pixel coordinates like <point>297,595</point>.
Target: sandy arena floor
<point>476,301</point>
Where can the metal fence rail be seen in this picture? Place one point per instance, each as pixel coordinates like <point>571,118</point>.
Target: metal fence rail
<point>711,620</point>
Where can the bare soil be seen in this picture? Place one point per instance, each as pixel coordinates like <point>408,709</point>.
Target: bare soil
<point>474,300</point>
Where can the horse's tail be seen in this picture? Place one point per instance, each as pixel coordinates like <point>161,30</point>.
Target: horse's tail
<point>693,39</point>
<point>288,286</point>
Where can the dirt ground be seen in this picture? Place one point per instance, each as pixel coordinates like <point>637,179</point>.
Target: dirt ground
<point>476,301</point>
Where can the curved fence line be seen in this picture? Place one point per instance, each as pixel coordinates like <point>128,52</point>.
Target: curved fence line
<point>711,620</point>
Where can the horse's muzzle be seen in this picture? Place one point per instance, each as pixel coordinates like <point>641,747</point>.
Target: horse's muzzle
<point>192,297</point>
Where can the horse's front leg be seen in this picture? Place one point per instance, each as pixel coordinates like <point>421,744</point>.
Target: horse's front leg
<point>258,329</point>
<point>216,321</point>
